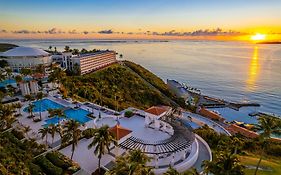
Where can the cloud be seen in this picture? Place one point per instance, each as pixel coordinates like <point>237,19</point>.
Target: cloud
<point>23,32</point>
<point>85,32</point>
<point>200,32</point>
<point>73,31</point>
<point>106,31</point>
<point>3,31</point>
<point>52,31</point>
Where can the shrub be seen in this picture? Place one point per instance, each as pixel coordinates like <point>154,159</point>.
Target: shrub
<point>47,166</point>
<point>54,158</point>
<point>128,114</point>
<point>35,169</point>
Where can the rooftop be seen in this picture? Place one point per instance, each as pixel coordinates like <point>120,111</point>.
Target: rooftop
<point>157,110</point>
<point>93,54</point>
<point>119,131</point>
<point>24,52</point>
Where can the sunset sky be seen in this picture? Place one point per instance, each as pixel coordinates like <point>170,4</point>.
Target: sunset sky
<point>175,19</point>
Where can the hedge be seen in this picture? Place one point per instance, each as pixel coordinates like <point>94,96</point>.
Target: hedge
<point>128,114</point>
<point>35,169</point>
<point>54,158</point>
<point>47,166</point>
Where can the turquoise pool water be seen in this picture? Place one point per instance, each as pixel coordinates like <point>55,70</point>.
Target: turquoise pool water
<point>44,105</point>
<point>11,81</point>
<point>79,115</point>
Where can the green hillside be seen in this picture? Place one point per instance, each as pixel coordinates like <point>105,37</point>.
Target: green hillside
<point>113,82</point>
<point>5,46</point>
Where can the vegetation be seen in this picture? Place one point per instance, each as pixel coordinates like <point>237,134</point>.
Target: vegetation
<point>133,163</point>
<point>230,149</point>
<point>267,126</point>
<point>104,86</point>
<point>128,114</point>
<point>16,156</point>
<point>5,46</point>
<point>71,134</point>
<point>155,81</point>
<point>102,139</point>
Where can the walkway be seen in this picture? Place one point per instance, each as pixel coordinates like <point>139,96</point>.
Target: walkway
<point>217,127</point>
<point>203,155</point>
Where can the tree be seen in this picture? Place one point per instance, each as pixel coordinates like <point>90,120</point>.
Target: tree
<point>72,134</point>
<point>3,63</point>
<point>120,56</point>
<point>52,131</point>
<point>67,48</point>
<point>18,79</point>
<point>30,110</point>
<point>172,171</point>
<point>132,163</point>
<point>268,125</point>
<point>56,113</point>
<point>26,71</point>
<point>18,106</point>
<point>26,129</point>
<point>39,97</point>
<point>6,116</point>
<point>225,162</point>
<point>28,98</point>
<point>102,139</point>
<point>50,48</point>
<point>44,133</point>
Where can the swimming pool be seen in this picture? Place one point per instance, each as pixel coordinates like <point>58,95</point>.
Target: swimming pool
<point>44,105</point>
<point>80,115</point>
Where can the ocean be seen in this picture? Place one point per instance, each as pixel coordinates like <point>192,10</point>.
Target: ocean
<point>234,71</point>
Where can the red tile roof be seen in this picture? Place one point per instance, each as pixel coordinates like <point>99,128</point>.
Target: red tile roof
<point>157,110</point>
<point>119,132</point>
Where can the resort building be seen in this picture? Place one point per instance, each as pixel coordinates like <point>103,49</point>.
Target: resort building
<point>34,89</point>
<point>86,63</point>
<point>28,88</point>
<point>26,57</point>
<point>24,88</point>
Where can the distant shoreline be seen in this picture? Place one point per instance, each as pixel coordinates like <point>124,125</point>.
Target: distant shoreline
<point>270,42</point>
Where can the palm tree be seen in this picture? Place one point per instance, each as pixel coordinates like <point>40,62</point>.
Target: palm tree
<point>18,79</point>
<point>26,129</point>
<point>171,171</point>
<point>56,113</point>
<point>225,163</point>
<point>28,98</point>
<point>18,106</point>
<point>44,133</point>
<point>268,125</point>
<point>30,110</point>
<point>67,48</point>
<point>39,97</point>
<point>102,139</point>
<point>52,131</point>
<point>132,163</point>
<point>72,134</point>
<point>50,48</point>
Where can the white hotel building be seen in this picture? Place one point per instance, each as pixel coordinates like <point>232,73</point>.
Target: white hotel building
<point>87,62</point>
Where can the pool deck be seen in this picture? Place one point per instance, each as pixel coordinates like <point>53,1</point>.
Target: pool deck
<point>86,158</point>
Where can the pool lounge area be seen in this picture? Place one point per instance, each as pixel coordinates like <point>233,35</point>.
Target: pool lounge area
<point>80,115</point>
<point>43,105</point>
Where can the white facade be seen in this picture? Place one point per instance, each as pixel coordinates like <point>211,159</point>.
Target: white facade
<point>24,87</point>
<point>34,89</point>
<point>26,57</point>
<point>95,61</point>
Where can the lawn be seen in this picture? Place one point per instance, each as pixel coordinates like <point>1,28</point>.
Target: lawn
<point>272,166</point>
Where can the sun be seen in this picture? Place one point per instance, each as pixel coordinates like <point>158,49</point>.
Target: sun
<point>258,37</point>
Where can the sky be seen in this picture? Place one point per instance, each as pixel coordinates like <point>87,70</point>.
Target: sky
<point>178,19</point>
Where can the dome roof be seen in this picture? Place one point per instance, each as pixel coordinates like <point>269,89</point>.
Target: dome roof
<point>24,52</point>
